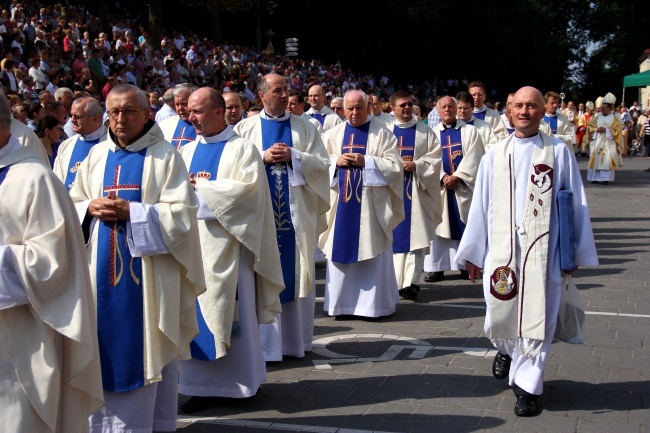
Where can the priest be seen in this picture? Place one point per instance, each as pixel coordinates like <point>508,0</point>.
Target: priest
<point>465,113</point>
<point>462,150</point>
<point>481,111</point>
<point>558,123</point>
<point>296,166</point>
<point>606,133</point>
<point>319,111</point>
<point>240,259</point>
<point>177,129</point>
<point>512,237</point>
<point>86,114</point>
<point>421,155</point>
<point>50,379</point>
<point>367,182</point>
<point>138,212</point>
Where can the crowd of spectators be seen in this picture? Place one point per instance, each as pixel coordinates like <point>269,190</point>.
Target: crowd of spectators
<point>47,46</point>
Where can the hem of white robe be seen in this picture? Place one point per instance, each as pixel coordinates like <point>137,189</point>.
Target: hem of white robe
<point>441,256</point>
<point>300,318</point>
<point>233,391</point>
<point>600,175</point>
<point>385,263</point>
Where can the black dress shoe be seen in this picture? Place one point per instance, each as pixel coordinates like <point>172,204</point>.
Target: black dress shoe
<point>501,366</point>
<point>464,275</point>
<point>409,293</point>
<point>197,404</point>
<point>526,405</point>
<point>434,277</point>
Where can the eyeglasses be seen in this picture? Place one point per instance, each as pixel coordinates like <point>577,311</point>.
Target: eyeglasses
<point>78,117</point>
<point>128,112</point>
<point>406,104</point>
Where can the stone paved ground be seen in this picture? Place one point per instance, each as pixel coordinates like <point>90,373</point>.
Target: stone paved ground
<point>428,367</point>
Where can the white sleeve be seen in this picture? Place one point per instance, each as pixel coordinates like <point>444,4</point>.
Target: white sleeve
<point>333,175</point>
<point>296,174</point>
<point>205,213</point>
<point>371,174</point>
<point>143,231</point>
<point>12,292</point>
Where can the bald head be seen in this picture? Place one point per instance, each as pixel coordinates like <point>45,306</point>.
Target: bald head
<point>316,97</point>
<point>205,107</point>
<point>234,109</point>
<point>356,107</point>
<point>527,111</point>
<point>447,110</point>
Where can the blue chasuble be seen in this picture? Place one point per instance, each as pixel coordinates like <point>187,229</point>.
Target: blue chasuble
<point>119,282</point>
<point>553,122</point>
<point>280,132</point>
<point>406,146</point>
<point>452,155</point>
<point>319,117</point>
<point>79,153</point>
<point>479,115</point>
<point>183,134</point>
<point>205,164</point>
<point>345,248</point>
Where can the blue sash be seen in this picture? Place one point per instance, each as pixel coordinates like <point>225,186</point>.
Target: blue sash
<point>3,173</point>
<point>345,248</point>
<point>452,155</point>
<point>205,164</point>
<point>79,153</point>
<point>406,146</point>
<point>510,130</point>
<point>319,117</point>
<point>553,122</point>
<point>280,132</point>
<point>480,114</point>
<point>183,134</point>
<point>119,283</point>
<point>471,122</point>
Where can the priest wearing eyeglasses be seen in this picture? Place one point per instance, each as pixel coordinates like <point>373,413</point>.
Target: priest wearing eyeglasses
<point>139,216</point>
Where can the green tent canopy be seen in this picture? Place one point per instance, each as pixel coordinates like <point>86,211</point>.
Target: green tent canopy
<point>637,80</point>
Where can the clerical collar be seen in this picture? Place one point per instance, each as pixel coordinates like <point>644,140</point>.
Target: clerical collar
<point>406,124</point>
<point>224,135</point>
<point>452,126</point>
<point>11,145</point>
<point>267,116</point>
<point>550,115</point>
<point>533,139</point>
<point>480,110</point>
<point>95,134</point>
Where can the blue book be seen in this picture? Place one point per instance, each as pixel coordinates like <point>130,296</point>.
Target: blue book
<point>567,245</point>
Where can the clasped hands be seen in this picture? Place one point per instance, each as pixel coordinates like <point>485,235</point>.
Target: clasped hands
<point>279,152</point>
<point>351,159</point>
<point>450,181</point>
<point>109,208</point>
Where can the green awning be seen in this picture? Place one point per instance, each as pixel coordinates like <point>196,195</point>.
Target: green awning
<point>637,80</point>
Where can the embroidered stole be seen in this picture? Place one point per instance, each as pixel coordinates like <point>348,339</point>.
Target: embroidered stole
<point>280,132</point>
<point>552,121</point>
<point>517,302</point>
<point>79,153</point>
<point>452,155</point>
<point>406,146</point>
<point>345,246</point>
<point>119,282</point>
<point>205,164</point>
<point>183,134</point>
<point>319,117</point>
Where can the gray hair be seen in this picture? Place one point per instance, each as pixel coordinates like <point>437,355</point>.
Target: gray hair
<point>168,96</point>
<point>62,91</point>
<point>122,89</point>
<point>183,88</point>
<point>351,92</point>
<point>336,99</point>
<point>92,108</point>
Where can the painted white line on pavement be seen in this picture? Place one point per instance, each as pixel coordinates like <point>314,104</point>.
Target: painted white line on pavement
<point>259,425</point>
